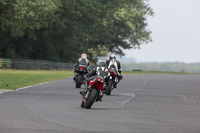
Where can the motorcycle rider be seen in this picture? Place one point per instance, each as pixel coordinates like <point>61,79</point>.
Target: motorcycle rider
<point>81,61</point>
<point>101,70</point>
<point>113,63</point>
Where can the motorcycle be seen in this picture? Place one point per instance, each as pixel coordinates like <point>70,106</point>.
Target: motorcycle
<point>80,75</point>
<point>94,92</point>
<point>112,80</point>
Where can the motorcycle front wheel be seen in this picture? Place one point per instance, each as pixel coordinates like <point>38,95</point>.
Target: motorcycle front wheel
<point>91,98</point>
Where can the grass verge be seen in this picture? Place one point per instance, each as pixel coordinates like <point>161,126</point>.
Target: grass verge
<point>13,79</point>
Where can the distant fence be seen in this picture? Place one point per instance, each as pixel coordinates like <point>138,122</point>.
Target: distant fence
<point>34,64</point>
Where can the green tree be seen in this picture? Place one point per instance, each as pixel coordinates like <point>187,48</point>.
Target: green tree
<point>60,30</point>
<point>19,19</point>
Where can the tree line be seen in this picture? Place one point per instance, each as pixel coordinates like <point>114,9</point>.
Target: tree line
<point>60,30</point>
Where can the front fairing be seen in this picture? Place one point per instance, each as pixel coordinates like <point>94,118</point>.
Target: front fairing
<point>97,84</point>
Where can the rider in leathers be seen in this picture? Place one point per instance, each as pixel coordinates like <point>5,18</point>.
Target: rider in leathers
<point>81,61</point>
<point>101,70</point>
<point>113,63</point>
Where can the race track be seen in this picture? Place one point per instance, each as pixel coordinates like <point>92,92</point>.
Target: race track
<point>146,103</point>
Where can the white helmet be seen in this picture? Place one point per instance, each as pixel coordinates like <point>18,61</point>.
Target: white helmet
<point>112,56</point>
<point>84,56</point>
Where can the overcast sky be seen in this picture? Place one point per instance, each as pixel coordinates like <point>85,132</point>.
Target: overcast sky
<point>175,32</point>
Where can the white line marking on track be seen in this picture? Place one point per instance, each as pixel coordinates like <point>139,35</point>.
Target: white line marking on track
<point>24,87</point>
<point>125,102</point>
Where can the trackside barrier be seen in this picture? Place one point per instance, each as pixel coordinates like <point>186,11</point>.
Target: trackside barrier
<point>34,64</point>
<point>1,62</point>
<point>5,63</point>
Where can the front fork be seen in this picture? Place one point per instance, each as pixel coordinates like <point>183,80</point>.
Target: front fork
<point>85,96</point>
<point>84,99</point>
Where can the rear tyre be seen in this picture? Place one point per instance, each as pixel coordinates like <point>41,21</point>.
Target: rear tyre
<point>109,87</point>
<point>91,98</point>
<point>78,81</point>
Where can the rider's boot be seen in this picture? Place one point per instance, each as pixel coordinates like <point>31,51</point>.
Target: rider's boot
<point>84,90</point>
<point>75,74</point>
<point>105,90</point>
<point>115,86</point>
<point>100,96</point>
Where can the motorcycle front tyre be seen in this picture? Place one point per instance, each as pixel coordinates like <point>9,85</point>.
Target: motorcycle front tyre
<point>78,81</point>
<point>91,98</point>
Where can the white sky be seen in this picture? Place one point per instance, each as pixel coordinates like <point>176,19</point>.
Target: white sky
<point>175,32</point>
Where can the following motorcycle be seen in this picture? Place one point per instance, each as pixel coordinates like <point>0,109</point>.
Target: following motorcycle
<point>80,75</point>
<point>94,92</point>
<point>112,80</point>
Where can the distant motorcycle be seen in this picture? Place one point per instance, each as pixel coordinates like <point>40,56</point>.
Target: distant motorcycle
<point>112,80</point>
<point>94,92</point>
<point>80,75</point>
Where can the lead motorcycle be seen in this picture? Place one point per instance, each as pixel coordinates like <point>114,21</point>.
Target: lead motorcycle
<point>94,92</point>
<point>112,80</point>
<point>80,75</point>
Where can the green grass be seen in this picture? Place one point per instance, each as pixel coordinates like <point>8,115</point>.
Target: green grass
<point>13,79</point>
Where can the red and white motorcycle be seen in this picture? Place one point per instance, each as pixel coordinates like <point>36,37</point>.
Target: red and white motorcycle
<point>94,92</point>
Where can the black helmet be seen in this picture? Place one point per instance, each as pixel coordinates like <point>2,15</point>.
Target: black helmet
<point>103,64</point>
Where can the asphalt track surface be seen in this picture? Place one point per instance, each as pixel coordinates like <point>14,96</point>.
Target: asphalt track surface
<point>147,103</point>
